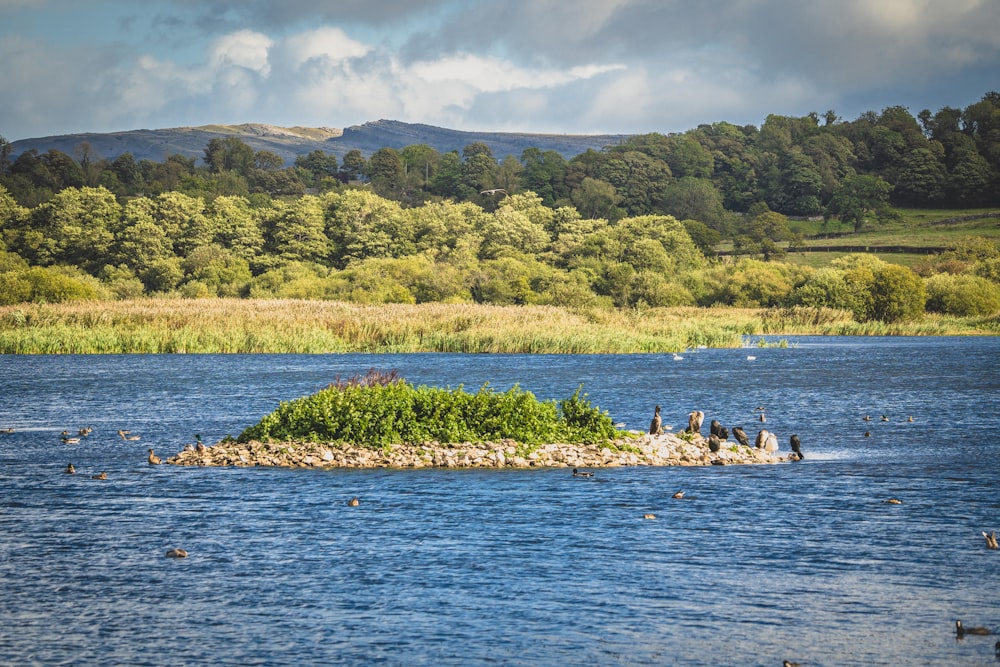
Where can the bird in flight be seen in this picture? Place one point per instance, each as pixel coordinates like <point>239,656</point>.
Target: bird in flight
<point>494,191</point>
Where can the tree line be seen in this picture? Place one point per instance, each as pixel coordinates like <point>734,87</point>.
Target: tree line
<point>632,225</point>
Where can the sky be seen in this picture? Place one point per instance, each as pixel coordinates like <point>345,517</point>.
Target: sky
<point>551,66</point>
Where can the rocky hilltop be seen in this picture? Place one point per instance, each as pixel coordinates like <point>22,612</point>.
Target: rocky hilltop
<point>643,450</point>
<point>290,142</point>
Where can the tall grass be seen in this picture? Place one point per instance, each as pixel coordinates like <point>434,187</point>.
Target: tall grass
<point>275,326</point>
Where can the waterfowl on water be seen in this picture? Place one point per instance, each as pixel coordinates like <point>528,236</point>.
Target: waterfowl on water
<point>100,475</point>
<point>991,539</point>
<point>70,470</point>
<point>176,553</point>
<point>578,473</point>
<point>910,418</point>
<point>354,502</point>
<point>648,516</point>
<point>123,433</point>
<point>71,441</point>
<point>885,418</point>
<point>153,458</point>
<point>961,630</point>
<point>6,430</point>
<point>678,495</point>
<point>996,649</point>
<point>892,501</point>
<point>868,434</point>
<point>866,418</point>
<point>789,663</point>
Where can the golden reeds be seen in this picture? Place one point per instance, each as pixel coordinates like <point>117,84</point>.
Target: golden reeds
<point>288,325</point>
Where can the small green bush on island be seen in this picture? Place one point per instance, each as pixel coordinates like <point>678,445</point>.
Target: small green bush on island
<point>381,410</point>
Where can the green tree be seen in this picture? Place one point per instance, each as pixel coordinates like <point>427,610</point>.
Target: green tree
<point>300,231</point>
<point>860,198</point>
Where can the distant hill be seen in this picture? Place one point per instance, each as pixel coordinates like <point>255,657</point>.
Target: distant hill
<point>289,142</point>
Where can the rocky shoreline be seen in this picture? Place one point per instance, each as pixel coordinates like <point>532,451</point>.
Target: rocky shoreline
<point>667,449</point>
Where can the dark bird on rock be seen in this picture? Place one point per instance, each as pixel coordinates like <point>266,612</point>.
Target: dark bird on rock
<point>961,630</point>
<point>656,426</point>
<point>714,444</point>
<point>741,436</point>
<point>796,444</point>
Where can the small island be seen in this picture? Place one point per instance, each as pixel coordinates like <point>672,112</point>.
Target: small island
<point>380,421</point>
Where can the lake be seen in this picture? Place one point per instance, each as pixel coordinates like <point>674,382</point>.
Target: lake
<point>756,564</point>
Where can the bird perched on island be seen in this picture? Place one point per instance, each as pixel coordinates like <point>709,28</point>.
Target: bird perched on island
<point>176,553</point>
<point>796,445</point>
<point>580,473</point>
<point>961,630</point>
<point>695,419</point>
<point>69,469</point>
<point>991,539</point>
<point>714,443</point>
<point>656,426</point>
<point>153,458</point>
<point>741,436</point>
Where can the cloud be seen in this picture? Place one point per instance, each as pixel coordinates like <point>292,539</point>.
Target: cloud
<point>526,65</point>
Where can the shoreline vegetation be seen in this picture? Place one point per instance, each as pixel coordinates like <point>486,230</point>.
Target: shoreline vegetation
<point>247,326</point>
<point>381,421</point>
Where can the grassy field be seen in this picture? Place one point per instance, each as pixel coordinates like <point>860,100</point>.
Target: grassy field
<point>277,326</point>
<point>918,228</point>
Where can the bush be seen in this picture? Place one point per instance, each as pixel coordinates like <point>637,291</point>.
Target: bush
<point>962,295</point>
<point>385,411</point>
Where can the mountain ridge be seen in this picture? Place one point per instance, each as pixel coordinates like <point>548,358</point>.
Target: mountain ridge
<point>290,142</point>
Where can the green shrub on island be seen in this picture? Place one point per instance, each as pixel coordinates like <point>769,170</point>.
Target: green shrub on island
<point>381,410</point>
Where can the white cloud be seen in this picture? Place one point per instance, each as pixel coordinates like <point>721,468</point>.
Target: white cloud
<point>243,48</point>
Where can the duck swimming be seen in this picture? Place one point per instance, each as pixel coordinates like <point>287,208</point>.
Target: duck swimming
<point>100,475</point>
<point>578,473</point>
<point>153,458</point>
<point>991,540</point>
<point>961,630</point>
<point>70,470</point>
<point>176,553</point>
<point>354,502</point>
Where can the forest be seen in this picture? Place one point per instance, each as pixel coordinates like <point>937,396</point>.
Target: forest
<point>635,225</point>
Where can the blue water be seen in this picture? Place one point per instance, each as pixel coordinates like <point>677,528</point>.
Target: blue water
<point>755,565</point>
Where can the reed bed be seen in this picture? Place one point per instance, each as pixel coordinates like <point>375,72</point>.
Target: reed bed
<point>155,326</point>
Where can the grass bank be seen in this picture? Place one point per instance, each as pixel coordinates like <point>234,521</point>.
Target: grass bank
<point>154,326</point>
